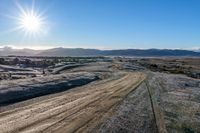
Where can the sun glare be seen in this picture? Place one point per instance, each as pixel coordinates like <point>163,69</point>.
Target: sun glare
<point>30,22</point>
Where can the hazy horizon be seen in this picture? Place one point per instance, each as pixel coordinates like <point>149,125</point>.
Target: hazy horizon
<point>47,48</point>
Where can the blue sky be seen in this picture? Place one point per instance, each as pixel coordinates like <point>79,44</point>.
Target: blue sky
<point>106,24</point>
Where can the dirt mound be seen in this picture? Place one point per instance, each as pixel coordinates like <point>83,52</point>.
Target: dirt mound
<point>19,90</point>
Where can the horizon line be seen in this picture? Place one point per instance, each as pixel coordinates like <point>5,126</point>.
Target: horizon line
<point>48,48</point>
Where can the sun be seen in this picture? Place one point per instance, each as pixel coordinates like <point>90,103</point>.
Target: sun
<point>30,22</point>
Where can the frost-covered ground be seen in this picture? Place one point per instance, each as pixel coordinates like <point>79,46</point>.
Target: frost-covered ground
<point>176,100</point>
<point>12,91</point>
<point>124,97</point>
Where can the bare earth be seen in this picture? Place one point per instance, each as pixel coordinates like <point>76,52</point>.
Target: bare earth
<point>81,109</point>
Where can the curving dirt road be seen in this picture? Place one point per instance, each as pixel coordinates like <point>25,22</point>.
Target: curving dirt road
<point>78,110</point>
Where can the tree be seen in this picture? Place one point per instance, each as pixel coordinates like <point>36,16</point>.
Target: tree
<point>2,61</point>
<point>16,61</point>
<point>27,62</point>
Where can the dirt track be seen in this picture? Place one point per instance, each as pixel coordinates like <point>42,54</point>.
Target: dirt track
<point>78,110</point>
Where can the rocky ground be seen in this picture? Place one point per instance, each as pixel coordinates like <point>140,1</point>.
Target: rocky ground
<point>119,97</point>
<point>176,100</point>
<point>13,91</point>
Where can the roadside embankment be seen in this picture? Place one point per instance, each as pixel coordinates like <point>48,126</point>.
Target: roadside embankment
<point>23,89</point>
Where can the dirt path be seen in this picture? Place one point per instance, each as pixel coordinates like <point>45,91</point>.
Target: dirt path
<point>81,110</point>
<point>134,114</point>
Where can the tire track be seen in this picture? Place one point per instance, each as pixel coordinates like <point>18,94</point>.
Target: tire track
<point>71,111</point>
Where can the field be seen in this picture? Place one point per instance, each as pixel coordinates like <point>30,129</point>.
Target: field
<point>101,94</point>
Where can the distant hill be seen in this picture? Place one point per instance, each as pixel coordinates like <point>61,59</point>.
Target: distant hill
<point>151,52</point>
<point>95,52</point>
<point>6,51</point>
<point>70,52</point>
<point>197,50</point>
<point>124,52</point>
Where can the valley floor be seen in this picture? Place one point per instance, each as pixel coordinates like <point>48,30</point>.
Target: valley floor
<point>117,98</point>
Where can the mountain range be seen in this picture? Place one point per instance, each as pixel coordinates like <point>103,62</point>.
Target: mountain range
<point>6,51</point>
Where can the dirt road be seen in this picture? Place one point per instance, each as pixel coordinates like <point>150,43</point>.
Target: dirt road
<point>78,110</point>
